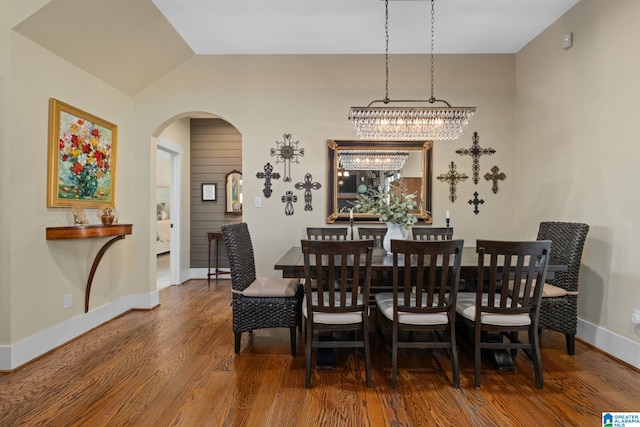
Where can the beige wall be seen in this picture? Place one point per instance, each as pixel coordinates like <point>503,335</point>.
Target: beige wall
<point>551,130</point>
<point>578,151</point>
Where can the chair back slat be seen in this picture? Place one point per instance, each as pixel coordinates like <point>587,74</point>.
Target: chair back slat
<point>339,272</point>
<point>327,233</point>
<point>521,264</point>
<point>372,233</point>
<point>432,233</point>
<point>430,272</point>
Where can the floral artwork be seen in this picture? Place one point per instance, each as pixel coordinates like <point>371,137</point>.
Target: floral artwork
<point>81,158</point>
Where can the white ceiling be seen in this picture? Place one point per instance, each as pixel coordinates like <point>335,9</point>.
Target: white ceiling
<point>357,26</point>
<point>131,43</point>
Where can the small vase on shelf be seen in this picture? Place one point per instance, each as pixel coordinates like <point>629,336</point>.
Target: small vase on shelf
<point>394,232</point>
<point>107,219</point>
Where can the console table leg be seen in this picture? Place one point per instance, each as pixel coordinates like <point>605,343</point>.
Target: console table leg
<point>94,266</point>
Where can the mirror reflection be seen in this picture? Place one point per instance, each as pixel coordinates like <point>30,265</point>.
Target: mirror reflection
<point>357,167</point>
<point>233,192</point>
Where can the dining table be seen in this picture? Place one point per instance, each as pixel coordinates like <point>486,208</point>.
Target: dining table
<point>292,266</point>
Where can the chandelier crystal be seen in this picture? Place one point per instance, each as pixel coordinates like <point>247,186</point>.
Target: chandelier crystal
<point>410,123</point>
<point>373,160</point>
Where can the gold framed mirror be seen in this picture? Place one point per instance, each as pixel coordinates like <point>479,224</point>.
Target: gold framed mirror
<point>233,192</point>
<point>356,166</point>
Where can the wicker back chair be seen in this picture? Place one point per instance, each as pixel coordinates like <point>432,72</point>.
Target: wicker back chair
<point>432,233</point>
<point>258,303</point>
<point>560,313</point>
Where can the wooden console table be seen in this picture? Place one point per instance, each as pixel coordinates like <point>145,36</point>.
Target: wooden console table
<point>118,231</point>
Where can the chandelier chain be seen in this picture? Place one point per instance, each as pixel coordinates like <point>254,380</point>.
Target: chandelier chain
<point>433,61</point>
<point>386,50</point>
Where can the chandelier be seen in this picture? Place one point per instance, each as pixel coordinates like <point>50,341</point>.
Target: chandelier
<point>372,160</point>
<point>410,123</point>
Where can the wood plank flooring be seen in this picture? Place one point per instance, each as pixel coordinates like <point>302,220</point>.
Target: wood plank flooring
<point>175,365</point>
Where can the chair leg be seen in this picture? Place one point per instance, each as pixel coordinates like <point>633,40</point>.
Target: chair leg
<point>536,358</point>
<point>571,344</point>
<point>367,355</point>
<point>237,336</point>
<point>293,333</point>
<point>477,356</point>
<point>394,357</point>
<point>307,361</point>
<point>455,366</point>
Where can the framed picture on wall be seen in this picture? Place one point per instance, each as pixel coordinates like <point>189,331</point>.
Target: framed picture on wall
<point>82,158</point>
<point>209,192</point>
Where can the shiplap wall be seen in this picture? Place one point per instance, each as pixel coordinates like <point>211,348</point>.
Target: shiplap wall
<point>216,149</point>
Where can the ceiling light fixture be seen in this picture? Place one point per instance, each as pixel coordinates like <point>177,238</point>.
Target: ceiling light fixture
<point>410,123</point>
<point>373,160</point>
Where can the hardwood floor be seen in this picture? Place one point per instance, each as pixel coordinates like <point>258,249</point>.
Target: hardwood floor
<point>175,365</point>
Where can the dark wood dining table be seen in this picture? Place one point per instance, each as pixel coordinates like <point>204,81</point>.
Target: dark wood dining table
<point>292,266</point>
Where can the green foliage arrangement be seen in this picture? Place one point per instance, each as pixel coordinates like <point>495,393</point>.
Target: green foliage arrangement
<point>391,206</point>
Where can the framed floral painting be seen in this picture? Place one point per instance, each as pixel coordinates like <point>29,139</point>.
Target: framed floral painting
<point>82,158</point>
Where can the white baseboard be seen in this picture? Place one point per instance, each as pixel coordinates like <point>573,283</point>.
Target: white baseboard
<point>616,345</point>
<point>16,355</point>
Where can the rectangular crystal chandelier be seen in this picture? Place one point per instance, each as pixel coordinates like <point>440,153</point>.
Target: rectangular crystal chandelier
<point>410,123</point>
<point>377,160</point>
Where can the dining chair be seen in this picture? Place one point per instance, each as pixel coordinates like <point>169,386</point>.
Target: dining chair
<point>372,233</point>
<point>425,286</point>
<point>258,302</point>
<point>559,307</point>
<point>497,308</point>
<point>327,233</point>
<point>337,277</point>
<point>432,233</point>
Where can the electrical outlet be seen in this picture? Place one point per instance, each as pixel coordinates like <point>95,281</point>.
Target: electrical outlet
<point>67,301</point>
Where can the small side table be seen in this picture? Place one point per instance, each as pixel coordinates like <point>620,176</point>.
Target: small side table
<point>217,236</point>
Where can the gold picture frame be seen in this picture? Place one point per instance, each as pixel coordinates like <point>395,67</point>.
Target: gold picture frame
<point>82,158</point>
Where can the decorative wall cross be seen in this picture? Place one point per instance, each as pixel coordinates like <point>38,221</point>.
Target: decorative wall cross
<point>475,152</point>
<point>289,198</point>
<point>287,152</point>
<point>307,185</point>
<point>495,176</point>
<point>475,201</point>
<point>453,178</point>
<point>267,175</point>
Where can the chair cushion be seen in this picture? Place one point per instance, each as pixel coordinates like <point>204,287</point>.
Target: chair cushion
<point>548,291</point>
<point>466,307</point>
<point>271,287</point>
<point>332,318</point>
<point>384,301</point>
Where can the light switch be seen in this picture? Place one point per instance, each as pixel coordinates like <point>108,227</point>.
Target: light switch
<point>257,202</point>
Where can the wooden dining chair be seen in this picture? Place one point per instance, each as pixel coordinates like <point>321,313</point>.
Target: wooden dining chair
<point>372,233</point>
<point>511,277</point>
<point>337,277</point>
<point>258,302</point>
<point>432,233</point>
<point>559,307</point>
<point>327,233</point>
<point>425,287</point>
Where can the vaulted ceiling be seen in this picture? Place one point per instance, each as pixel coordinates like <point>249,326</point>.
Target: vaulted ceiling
<point>131,43</point>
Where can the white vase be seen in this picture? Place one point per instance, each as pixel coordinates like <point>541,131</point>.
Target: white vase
<point>394,232</point>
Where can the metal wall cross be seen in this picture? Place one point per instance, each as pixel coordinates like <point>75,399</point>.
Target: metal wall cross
<point>287,152</point>
<point>289,198</point>
<point>495,176</point>
<point>475,201</point>
<point>475,151</point>
<point>307,185</point>
<point>267,175</point>
<point>453,178</point>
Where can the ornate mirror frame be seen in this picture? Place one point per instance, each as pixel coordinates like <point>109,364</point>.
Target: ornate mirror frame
<point>233,193</point>
<point>336,146</point>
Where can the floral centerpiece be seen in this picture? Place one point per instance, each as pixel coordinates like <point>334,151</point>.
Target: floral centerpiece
<point>392,207</point>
